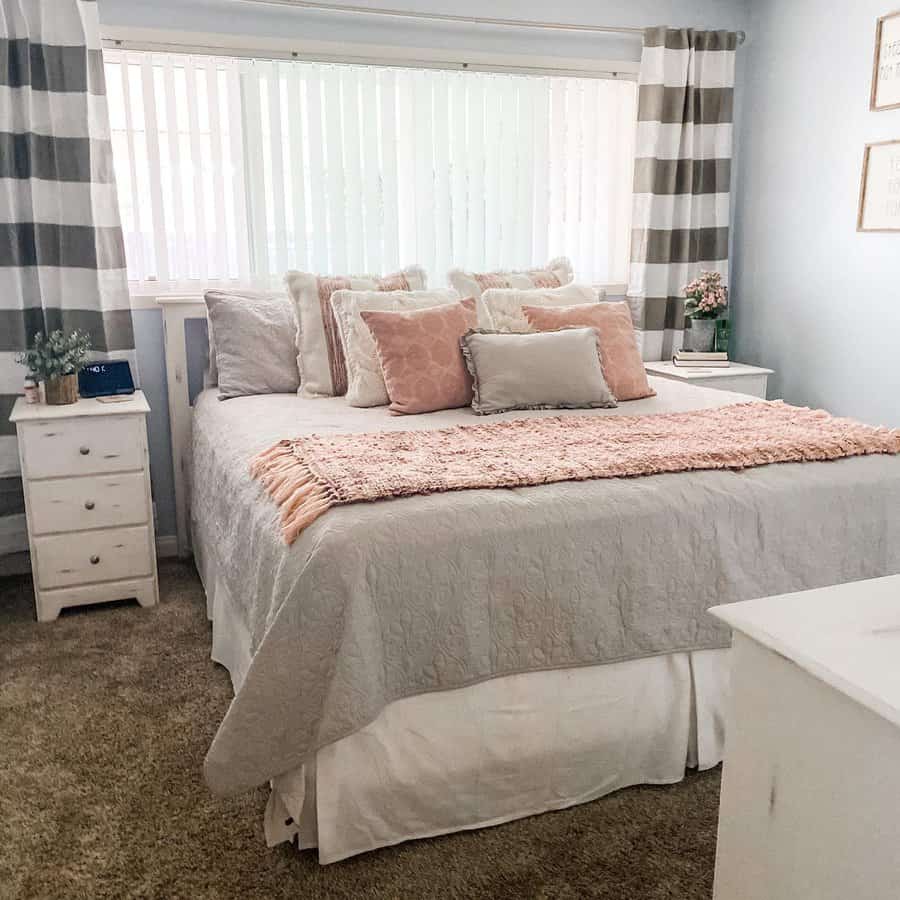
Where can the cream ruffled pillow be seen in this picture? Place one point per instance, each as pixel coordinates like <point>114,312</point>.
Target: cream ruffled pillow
<point>501,309</point>
<point>556,273</point>
<point>320,356</point>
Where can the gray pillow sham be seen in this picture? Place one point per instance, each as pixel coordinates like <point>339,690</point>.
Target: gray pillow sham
<point>253,339</point>
<point>547,370</point>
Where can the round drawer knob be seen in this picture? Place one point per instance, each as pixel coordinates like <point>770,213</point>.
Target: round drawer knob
<point>88,504</point>
<point>84,450</point>
<point>95,559</point>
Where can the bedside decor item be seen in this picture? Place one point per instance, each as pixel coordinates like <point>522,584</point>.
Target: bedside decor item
<point>32,390</point>
<point>56,360</point>
<point>886,69</point>
<point>106,379</point>
<point>706,297</point>
<point>712,360</point>
<point>86,474</point>
<point>879,192</point>
<point>723,335</point>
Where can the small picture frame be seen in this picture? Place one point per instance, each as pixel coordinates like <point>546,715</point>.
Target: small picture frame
<point>879,192</point>
<point>886,70</point>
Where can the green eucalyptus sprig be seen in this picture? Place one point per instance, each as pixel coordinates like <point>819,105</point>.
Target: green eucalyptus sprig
<point>56,355</point>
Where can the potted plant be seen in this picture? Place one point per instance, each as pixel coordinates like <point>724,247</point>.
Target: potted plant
<point>706,297</point>
<point>55,360</point>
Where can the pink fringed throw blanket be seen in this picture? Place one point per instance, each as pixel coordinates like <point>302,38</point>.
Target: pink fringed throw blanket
<point>308,475</point>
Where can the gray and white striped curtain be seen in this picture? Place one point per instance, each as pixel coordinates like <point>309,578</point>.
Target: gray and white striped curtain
<point>62,258</point>
<point>682,175</point>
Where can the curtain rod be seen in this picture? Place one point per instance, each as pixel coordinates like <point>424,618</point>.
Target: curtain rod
<point>458,20</point>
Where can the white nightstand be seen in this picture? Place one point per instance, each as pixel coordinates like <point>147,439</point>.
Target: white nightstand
<point>811,785</point>
<point>86,475</point>
<point>740,378</point>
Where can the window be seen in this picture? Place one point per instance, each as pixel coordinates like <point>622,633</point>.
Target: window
<point>233,169</point>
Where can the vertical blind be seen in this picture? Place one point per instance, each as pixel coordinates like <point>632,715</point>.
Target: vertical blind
<point>234,170</point>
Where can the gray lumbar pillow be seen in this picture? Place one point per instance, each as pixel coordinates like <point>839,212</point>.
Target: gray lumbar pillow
<point>253,336</point>
<point>548,370</point>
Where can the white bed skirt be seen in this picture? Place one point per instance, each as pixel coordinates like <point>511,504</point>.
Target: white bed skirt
<point>497,751</point>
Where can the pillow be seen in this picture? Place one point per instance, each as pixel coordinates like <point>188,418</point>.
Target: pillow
<point>550,370</point>
<point>320,356</point>
<point>365,383</point>
<point>556,273</point>
<point>620,357</point>
<point>211,374</point>
<point>252,339</point>
<point>420,356</point>
<point>501,309</point>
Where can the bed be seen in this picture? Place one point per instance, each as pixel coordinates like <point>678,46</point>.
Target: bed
<point>380,768</point>
<point>402,669</point>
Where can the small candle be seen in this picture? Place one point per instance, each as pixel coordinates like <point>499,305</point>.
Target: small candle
<point>32,392</point>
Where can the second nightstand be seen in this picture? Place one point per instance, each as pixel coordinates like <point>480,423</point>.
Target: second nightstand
<point>740,378</point>
<point>87,497</point>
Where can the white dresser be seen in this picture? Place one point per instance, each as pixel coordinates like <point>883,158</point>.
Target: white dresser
<point>737,377</point>
<point>86,475</point>
<point>810,806</point>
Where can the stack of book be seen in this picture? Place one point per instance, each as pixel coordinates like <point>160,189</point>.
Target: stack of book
<point>712,360</point>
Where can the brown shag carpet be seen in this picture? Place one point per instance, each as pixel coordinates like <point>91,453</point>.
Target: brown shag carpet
<point>105,716</point>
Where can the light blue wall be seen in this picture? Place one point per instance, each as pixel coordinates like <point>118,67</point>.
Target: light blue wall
<point>815,300</point>
<point>148,330</point>
<point>232,16</point>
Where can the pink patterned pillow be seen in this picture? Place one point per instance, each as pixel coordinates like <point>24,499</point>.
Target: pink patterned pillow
<point>620,358</point>
<point>420,357</point>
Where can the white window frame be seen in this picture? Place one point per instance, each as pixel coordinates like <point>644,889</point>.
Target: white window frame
<point>163,40</point>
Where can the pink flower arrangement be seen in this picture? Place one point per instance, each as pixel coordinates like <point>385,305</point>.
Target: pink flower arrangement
<point>706,296</point>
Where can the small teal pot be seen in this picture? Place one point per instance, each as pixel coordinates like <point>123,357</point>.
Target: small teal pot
<point>703,335</point>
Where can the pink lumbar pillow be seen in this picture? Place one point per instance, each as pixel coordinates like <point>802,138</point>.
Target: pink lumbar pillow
<point>420,356</point>
<point>620,358</point>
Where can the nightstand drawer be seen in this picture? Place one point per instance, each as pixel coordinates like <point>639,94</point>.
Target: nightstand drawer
<point>66,559</point>
<point>95,501</point>
<point>63,447</point>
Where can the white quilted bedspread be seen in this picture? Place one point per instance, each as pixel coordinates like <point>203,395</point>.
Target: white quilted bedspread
<point>378,601</point>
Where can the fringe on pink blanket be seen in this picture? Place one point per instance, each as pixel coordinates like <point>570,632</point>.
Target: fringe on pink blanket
<point>308,475</point>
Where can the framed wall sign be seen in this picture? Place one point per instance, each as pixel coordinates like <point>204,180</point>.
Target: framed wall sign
<point>879,194</point>
<point>886,74</point>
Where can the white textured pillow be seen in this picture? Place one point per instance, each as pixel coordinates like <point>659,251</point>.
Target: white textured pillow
<point>320,357</point>
<point>253,339</point>
<point>365,382</point>
<point>211,375</point>
<point>556,273</point>
<point>500,309</point>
